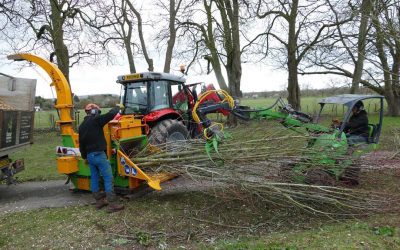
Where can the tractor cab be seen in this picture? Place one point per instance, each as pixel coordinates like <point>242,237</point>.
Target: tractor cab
<point>154,95</point>
<point>349,101</point>
<point>163,102</point>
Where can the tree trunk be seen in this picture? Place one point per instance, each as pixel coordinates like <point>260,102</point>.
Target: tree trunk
<point>236,68</point>
<point>172,37</point>
<point>57,34</point>
<point>141,36</point>
<point>393,102</point>
<point>293,82</point>
<point>128,41</point>
<point>129,54</point>
<point>210,43</point>
<point>293,85</point>
<point>389,77</point>
<point>366,8</point>
<point>218,74</point>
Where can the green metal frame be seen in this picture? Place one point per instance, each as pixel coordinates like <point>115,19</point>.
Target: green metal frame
<point>330,146</point>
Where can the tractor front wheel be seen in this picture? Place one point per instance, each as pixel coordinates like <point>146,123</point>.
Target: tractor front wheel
<point>167,131</point>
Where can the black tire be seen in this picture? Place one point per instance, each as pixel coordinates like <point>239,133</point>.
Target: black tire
<point>168,131</point>
<point>319,177</point>
<point>351,176</point>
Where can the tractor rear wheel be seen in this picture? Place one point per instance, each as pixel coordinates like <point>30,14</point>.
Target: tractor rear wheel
<point>167,131</point>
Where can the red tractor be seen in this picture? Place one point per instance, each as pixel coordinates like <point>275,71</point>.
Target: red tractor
<point>166,104</point>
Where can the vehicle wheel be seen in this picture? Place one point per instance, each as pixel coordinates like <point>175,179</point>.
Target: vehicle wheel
<point>168,131</point>
<point>351,176</point>
<point>319,177</point>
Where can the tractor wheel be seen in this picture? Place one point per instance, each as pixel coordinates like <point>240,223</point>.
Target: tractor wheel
<point>168,131</point>
<point>319,177</point>
<point>351,176</point>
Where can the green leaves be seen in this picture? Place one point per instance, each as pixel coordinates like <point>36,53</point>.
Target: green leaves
<point>213,143</point>
<point>384,231</point>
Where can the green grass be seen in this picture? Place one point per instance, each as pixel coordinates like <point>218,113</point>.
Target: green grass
<point>46,119</point>
<point>310,105</point>
<point>372,233</point>
<point>194,221</point>
<point>40,158</point>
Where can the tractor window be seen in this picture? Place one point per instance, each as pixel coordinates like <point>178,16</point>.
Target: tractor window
<point>136,98</point>
<point>159,94</point>
<point>179,97</point>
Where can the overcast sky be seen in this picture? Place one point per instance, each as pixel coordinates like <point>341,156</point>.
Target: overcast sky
<point>101,79</point>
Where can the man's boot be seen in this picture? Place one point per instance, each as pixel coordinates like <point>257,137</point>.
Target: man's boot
<point>114,206</point>
<point>100,198</point>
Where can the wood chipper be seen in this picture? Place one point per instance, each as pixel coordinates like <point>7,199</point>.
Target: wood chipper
<point>158,109</point>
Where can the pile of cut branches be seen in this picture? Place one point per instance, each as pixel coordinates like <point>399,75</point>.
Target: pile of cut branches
<point>266,169</point>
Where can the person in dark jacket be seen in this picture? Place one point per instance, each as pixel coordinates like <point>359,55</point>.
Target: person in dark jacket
<point>92,146</point>
<point>356,128</point>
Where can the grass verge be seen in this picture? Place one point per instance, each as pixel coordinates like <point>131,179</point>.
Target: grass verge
<point>193,221</point>
<point>40,158</point>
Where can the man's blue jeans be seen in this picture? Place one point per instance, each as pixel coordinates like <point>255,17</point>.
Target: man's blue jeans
<point>99,164</point>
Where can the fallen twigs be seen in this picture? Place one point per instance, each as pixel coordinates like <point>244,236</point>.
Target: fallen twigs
<point>275,170</point>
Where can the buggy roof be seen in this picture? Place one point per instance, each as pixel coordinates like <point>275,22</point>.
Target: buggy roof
<point>347,99</point>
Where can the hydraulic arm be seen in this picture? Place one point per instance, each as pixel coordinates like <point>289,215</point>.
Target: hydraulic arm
<point>284,113</point>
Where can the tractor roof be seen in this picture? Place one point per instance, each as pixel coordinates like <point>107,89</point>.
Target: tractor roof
<point>347,99</point>
<point>140,77</point>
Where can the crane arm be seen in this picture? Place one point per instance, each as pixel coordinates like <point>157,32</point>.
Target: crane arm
<point>64,95</point>
<point>287,116</point>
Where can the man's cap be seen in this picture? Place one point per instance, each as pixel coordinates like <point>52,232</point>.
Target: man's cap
<point>91,106</point>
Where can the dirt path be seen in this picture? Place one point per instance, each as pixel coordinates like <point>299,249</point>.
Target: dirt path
<point>33,195</point>
<point>50,194</point>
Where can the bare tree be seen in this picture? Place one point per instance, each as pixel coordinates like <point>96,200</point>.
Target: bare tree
<point>52,25</point>
<point>382,53</point>
<point>127,21</point>
<point>141,37</point>
<point>298,26</point>
<point>123,27</point>
<point>386,21</point>
<point>172,7</point>
<point>220,34</point>
<point>118,23</point>
<point>365,10</point>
